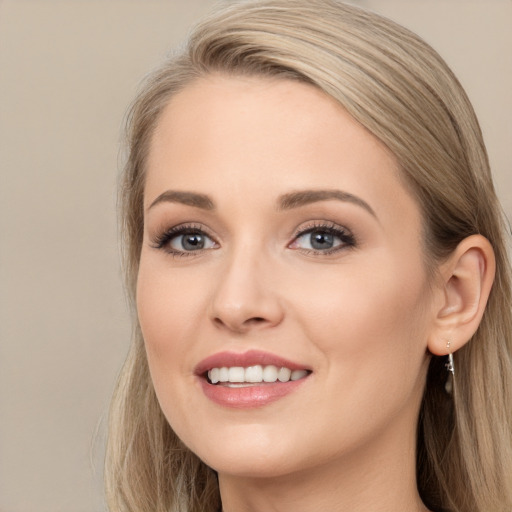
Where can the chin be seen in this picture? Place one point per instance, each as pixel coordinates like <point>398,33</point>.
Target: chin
<point>245,451</point>
<point>245,466</point>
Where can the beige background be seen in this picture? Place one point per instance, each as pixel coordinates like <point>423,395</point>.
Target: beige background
<point>68,69</point>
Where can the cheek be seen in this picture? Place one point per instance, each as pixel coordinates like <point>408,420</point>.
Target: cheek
<point>167,314</point>
<point>371,332</point>
<point>362,318</point>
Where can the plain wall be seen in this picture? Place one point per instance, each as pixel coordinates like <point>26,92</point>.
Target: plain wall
<point>68,69</point>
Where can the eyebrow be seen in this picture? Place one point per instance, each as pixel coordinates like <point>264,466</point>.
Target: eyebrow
<point>305,197</point>
<point>285,201</point>
<point>188,198</point>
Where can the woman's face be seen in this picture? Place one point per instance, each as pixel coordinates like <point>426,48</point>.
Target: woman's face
<point>280,245</point>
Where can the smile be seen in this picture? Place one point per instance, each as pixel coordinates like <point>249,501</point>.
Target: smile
<point>238,375</point>
<point>250,379</point>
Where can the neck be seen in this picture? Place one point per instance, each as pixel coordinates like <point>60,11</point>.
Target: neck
<point>377,477</point>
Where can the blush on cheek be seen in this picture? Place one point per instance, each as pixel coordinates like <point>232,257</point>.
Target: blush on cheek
<point>386,319</point>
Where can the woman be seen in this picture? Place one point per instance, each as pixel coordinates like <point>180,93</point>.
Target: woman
<point>312,238</point>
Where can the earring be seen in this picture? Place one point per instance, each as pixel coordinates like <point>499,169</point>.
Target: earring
<point>451,370</point>
<point>449,364</point>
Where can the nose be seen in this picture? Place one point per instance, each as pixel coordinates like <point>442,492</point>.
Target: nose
<point>245,297</point>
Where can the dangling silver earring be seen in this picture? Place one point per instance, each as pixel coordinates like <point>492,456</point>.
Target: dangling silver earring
<point>451,369</point>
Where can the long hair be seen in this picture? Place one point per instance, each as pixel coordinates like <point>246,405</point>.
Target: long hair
<point>398,88</point>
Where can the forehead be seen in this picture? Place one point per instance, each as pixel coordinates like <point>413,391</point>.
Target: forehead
<point>251,111</point>
<point>239,134</point>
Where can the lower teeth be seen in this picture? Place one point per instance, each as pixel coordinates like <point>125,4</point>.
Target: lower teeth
<point>240,384</point>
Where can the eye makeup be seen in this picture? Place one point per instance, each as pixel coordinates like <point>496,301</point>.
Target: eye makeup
<point>184,240</point>
<point>317,237</point>
<point>322,238</point>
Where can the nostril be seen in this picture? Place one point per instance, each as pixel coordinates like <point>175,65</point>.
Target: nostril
<point>243,326</point>
<point>218,321</point>
<point>254,321</point>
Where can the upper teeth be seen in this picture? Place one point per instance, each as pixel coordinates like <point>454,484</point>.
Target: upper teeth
<point>254,374</point>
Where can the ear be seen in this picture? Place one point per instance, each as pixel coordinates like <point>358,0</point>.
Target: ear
<point>462,293</point>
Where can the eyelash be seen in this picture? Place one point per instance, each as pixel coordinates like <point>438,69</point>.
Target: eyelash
<point>162,241</point>
<point>346,238</point>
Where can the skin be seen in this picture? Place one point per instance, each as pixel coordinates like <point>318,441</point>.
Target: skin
<point>360,318</point>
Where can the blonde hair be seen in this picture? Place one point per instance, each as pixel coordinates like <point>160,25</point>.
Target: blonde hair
<point>396,86</point>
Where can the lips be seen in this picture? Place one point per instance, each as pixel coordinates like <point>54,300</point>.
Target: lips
<point>249,379</point>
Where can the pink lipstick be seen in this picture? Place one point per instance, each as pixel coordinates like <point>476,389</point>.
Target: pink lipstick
<point>249,379</point>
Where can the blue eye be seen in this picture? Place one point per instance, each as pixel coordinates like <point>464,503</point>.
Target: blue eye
<point>191,242</point>
<point>323,239</point>
<point>184,240</point>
